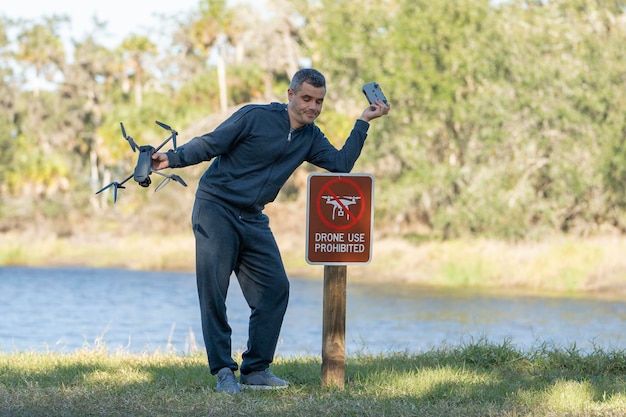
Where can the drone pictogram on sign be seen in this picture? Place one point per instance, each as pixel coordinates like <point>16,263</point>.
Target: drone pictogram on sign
<point>341,205</point>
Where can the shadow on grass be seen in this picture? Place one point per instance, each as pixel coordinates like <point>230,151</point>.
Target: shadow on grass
<point>472,380</point>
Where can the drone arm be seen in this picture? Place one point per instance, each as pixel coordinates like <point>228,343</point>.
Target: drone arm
<point>115,184</point>
<point>164,142</point>
<point>161,174</point>
<point>125,180</point>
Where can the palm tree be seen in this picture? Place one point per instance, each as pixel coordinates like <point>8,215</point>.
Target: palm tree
<point>40,47</point>
<point>214,31</point>
<point>134,50</point>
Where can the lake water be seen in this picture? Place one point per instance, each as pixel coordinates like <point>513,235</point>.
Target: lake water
<point>64,309</point>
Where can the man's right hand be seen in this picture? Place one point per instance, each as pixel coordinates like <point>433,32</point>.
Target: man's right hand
<point>160,161</point>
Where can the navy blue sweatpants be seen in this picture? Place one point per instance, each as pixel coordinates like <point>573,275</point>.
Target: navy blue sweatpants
<point>229,241</point>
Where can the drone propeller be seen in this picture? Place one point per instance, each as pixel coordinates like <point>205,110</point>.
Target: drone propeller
<point>115,186</point>
<point>179,180</point>
<point>130,140</point>
<point>107,186</point>
<point>167,179</point>
<point>162,184</point>
<point>164,126</point>
<point>173,137</point>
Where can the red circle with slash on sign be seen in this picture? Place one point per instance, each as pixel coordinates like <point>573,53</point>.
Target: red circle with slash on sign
<point>341,205</point>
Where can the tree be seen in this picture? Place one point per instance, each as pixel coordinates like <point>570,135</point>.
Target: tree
<point>91,81</point>
<point>214,31</point>
<point>135,50</point>
<point>8,97</point>
<point>40,47</point>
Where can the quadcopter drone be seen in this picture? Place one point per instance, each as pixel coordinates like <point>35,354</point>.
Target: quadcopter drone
<point>143,169</point>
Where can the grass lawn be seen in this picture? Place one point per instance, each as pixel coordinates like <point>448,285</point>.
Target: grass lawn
<point>475,379</point>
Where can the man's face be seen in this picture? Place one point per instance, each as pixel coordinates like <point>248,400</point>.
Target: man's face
<point>305,105</point>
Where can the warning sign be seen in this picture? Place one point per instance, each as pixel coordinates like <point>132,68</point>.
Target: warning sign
<point>339,219</point>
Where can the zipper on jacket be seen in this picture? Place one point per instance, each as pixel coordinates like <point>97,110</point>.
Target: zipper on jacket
<point>272,166</point>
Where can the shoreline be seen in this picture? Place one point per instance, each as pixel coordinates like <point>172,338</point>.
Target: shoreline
<point>561,265</point>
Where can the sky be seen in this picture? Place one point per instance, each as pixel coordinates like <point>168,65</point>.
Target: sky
<point>123,16</point>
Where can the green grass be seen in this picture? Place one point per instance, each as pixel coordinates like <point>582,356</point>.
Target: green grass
<point>475,379</point>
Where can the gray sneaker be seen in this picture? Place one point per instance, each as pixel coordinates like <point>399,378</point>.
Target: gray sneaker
<point>262,380</point>
<point>226,382</point>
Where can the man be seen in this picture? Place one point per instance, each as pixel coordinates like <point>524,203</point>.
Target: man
<point>254,152</point>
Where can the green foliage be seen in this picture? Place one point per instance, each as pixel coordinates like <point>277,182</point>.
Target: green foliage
<point>501,115</point>
<point>507,120</point>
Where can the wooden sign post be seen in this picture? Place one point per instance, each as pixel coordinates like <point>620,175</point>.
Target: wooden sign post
<point>334,326</point>
<point>339,233</point>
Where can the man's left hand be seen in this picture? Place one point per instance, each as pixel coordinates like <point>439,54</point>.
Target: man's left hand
<point>375,110</point>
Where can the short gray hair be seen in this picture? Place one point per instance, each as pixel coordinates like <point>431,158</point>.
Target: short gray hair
<point>308,75</point>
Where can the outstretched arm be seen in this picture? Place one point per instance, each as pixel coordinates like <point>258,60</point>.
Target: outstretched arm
<point>325,155</point>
